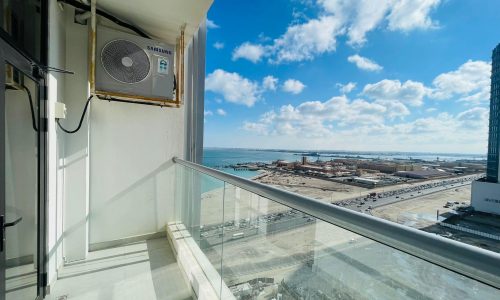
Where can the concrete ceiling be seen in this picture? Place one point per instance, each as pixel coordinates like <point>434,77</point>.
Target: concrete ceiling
<point>161,19</point>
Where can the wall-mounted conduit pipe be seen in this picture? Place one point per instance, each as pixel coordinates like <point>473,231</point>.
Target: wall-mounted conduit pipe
<point>104,14</point>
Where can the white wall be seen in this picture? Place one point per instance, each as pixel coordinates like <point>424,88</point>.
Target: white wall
<point>73,157</point>
<point>486,197</point>
<point>112,171</point>
<point>131,148</point>
<point>113,179</point>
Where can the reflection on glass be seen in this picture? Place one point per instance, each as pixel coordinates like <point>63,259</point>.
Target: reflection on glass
<point>20,194</point>
<point>265,250</point>
<point>22,21</point>
<point>281,253</point>
<point>199,205</point>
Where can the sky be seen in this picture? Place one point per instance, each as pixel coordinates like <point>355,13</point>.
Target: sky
<point>360,75</point>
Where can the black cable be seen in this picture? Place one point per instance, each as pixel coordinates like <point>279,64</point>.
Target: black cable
<point>102,13</point>
<point>30,99</point>
<point>81,119</point>
<point>57,70</point>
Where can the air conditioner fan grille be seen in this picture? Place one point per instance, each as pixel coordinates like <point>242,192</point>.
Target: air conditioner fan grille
<point>125,61</point>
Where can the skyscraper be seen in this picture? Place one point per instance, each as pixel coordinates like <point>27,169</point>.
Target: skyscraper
<point>492,174</point>
<point>486,193</point>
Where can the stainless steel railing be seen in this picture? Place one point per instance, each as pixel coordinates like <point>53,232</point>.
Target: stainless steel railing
<point>467,260</point>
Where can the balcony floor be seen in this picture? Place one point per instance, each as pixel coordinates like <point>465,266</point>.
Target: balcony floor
<point>144,270</point>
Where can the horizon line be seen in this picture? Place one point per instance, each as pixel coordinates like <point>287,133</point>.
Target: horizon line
<point>324,150</point>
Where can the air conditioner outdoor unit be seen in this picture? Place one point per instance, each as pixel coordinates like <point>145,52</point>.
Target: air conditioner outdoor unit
<point>13,78</point>
<point>129,66</point>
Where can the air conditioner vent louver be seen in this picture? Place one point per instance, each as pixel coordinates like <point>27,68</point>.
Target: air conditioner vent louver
<point>125,61</point>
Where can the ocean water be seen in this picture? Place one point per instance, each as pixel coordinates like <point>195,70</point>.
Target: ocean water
<point>217,157</point>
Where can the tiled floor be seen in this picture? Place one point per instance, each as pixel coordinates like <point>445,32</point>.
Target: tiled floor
<point>144,270</point>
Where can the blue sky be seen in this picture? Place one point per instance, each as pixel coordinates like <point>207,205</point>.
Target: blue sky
<point>380,75</point>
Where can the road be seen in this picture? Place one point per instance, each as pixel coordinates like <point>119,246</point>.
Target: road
<point>365,203</point>
<point>263,224</point>
<point>214,234</point>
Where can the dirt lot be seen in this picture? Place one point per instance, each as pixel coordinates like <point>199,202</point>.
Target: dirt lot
<point>421,212</point>
<point>312,187</point>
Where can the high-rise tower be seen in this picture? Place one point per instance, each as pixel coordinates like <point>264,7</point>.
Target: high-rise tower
<point>492,174</point>
<point>486,194</point>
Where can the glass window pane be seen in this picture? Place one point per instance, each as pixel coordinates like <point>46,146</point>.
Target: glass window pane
<point>21,192</point>
<point>22,21</point>
<point>276,252</point>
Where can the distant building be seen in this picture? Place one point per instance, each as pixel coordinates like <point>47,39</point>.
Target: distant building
<point>284,164</point>
<point>492,166</point>
<point>367,181</point>
<point>486,193</point>
<point>384,167</point>
<point>422,174</point>
<point>314,168</point>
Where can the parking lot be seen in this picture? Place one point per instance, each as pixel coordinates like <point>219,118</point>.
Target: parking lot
<point>367,202</point>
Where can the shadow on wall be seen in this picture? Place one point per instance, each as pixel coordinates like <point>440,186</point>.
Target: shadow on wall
<point>131,189</point>
<point>135,210</point>
<point>99,212</point>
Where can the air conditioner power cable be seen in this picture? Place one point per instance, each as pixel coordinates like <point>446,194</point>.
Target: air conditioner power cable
<point>81,118</point>
<point>30,99</point>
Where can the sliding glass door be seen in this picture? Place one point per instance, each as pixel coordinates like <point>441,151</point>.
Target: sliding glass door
<point>23,134</point>
<point>23,176</point>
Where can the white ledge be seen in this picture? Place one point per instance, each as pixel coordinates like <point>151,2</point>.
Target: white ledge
<point>203,278</point>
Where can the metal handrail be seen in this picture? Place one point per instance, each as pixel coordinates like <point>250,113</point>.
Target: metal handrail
<point>467,260</point>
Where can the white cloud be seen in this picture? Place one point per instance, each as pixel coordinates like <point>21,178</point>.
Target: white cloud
<point>211,24</point>
<point>351,18</point>
<point>218,45</point>
<point>407,15</point>
<point>221,112</point>
<point>207,113</point>
<point>362,16</point>
<point>424,126</point>
<point>346,88</point>
<point>305,41</point>
<point>293,86</point>
<point>364,63</point>
<point>394,109</point>
<point>252,52</point>
<point>256,127</point>
<point>409,92</point>
<point>470,82</point>
<point>359,16</point>
<point>299,42</point>
<point>313,118</point>
<point>340,123</point>
<point>270,83</point>
<point>233,87</point>
<point>474,118</point>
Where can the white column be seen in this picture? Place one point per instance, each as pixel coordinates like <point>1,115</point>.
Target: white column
<point>74,162</point>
